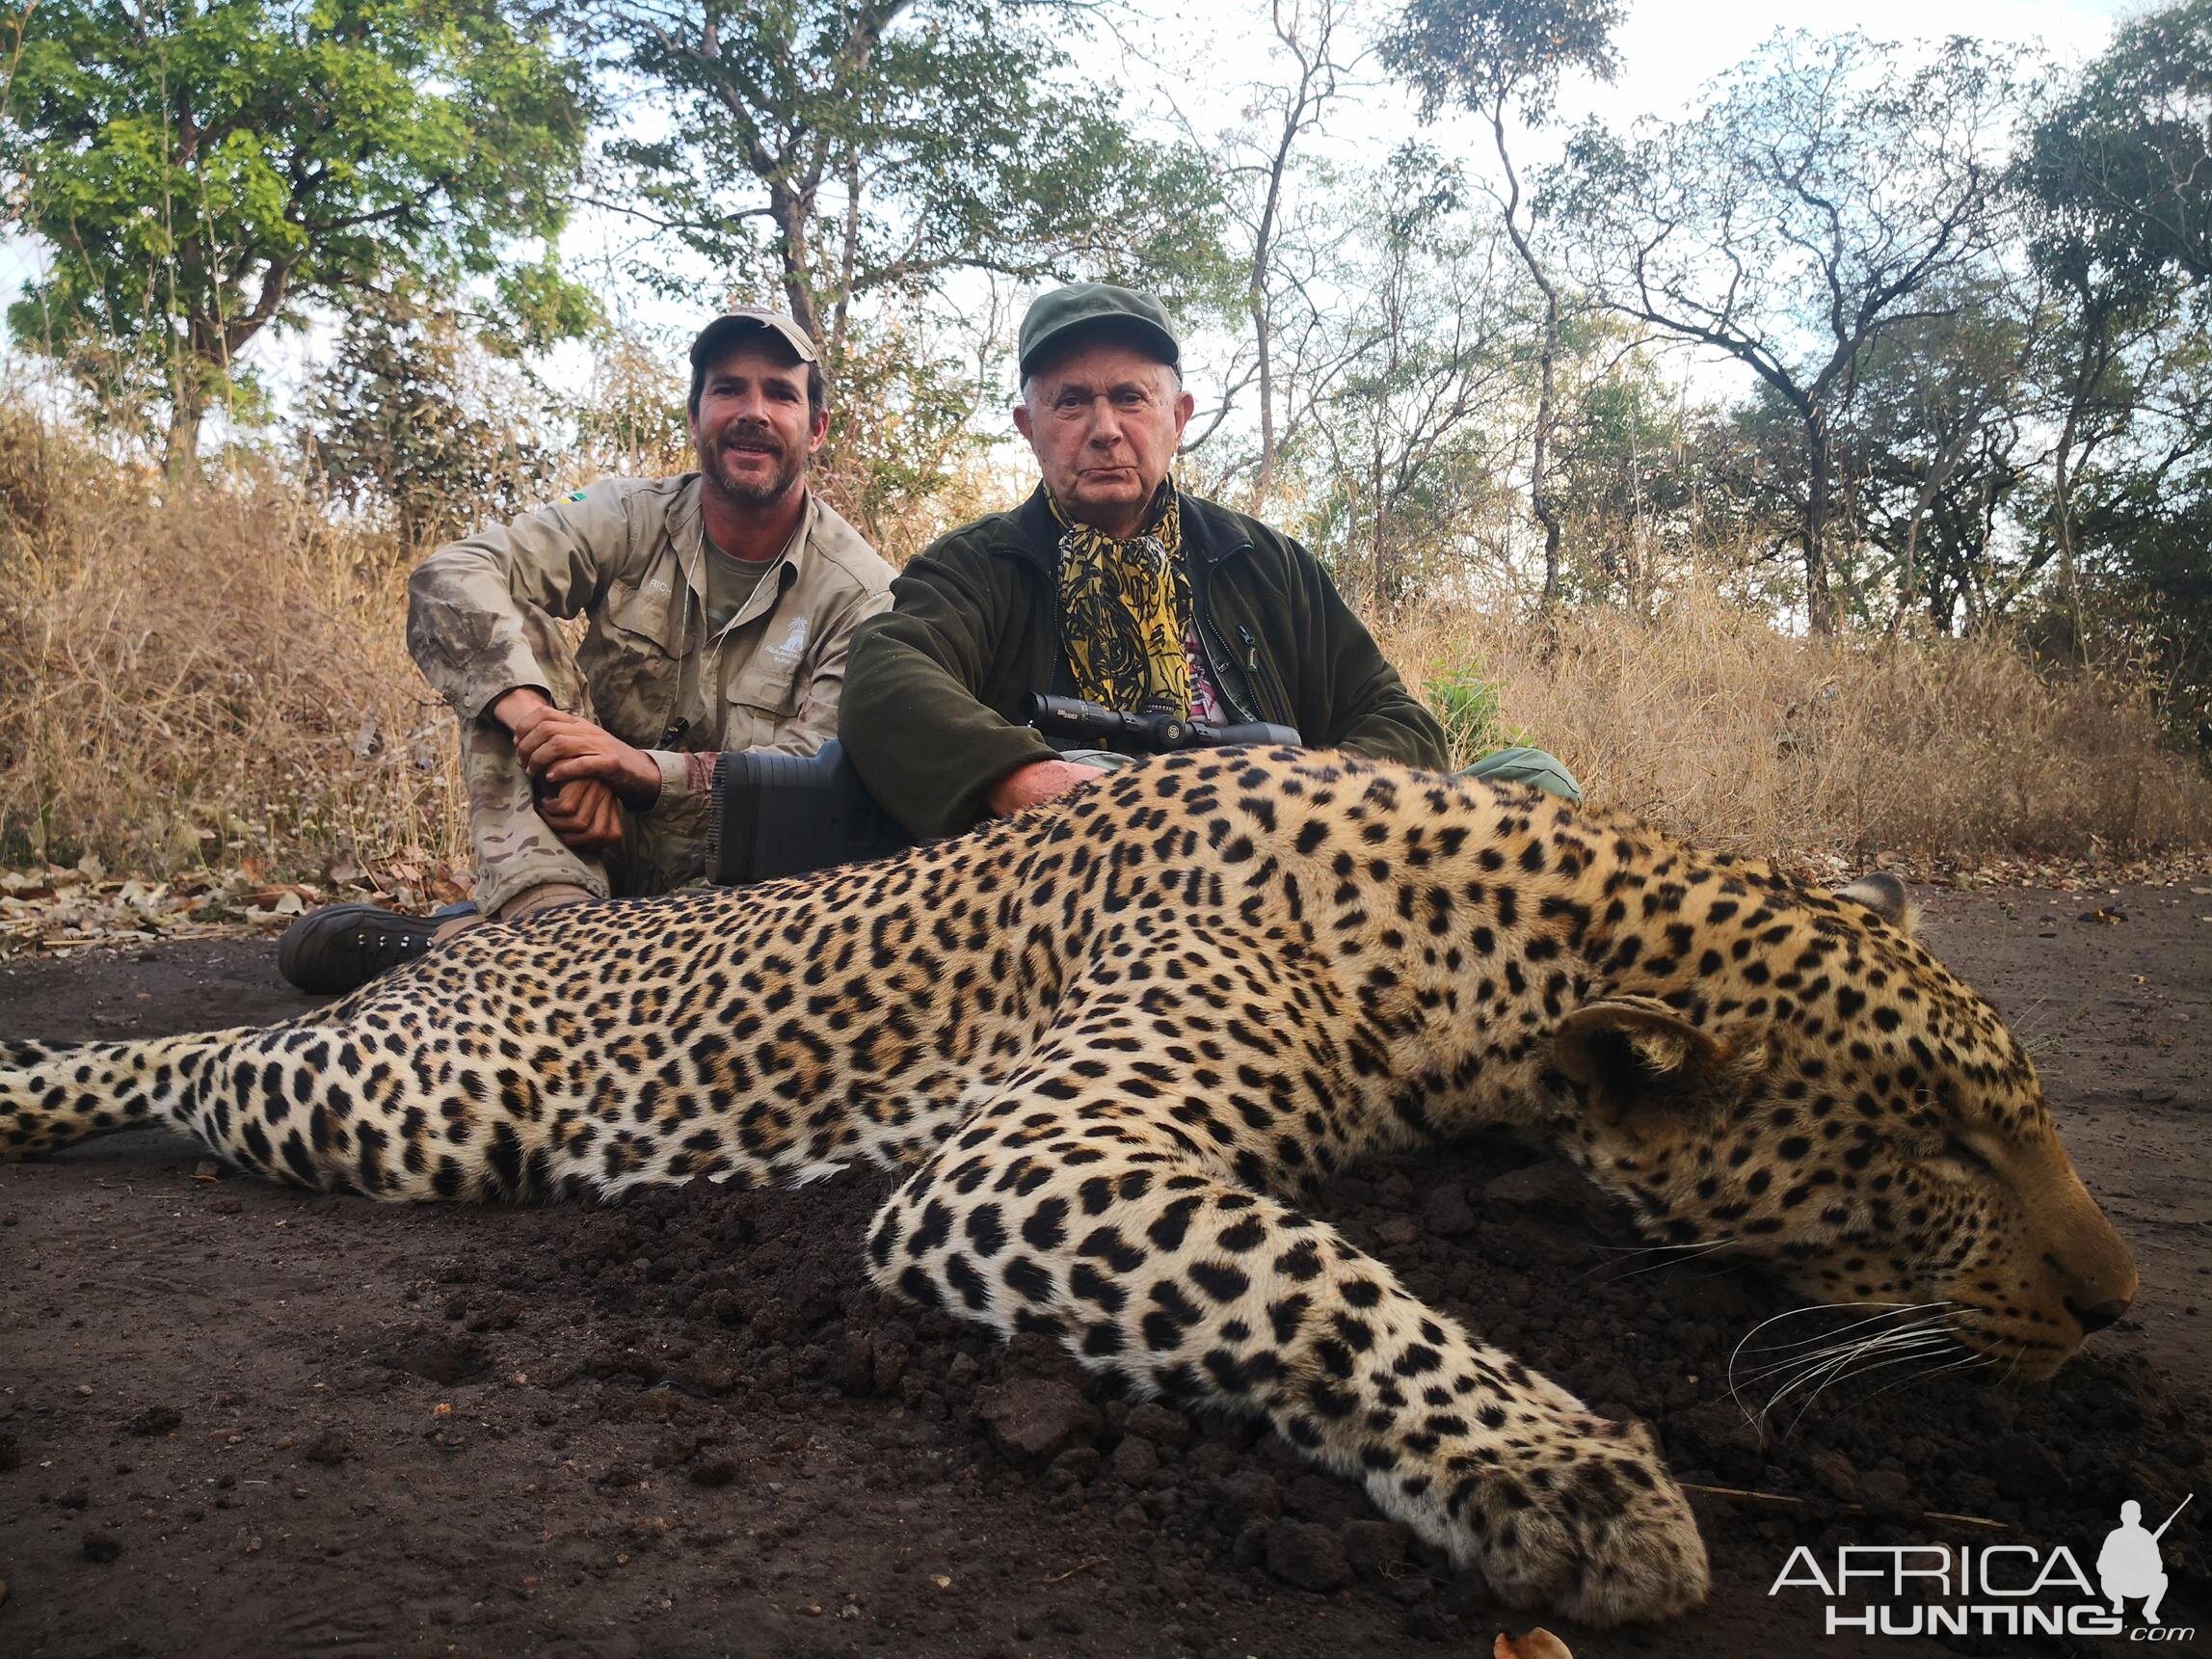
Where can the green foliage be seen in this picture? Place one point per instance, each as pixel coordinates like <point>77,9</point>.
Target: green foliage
<point>831,150</point>
<point>200,172</point>
<point>1485,53</point>
<point>2123,165</point>
<point>535,305</point>
<point>1471,711</point>
<point>1412,441</point>
<point>1824,188</point>
<point>403,424</point>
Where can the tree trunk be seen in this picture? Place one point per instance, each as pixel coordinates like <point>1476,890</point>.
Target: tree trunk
<point>1820,601</point>
<point>1539,495</point>
<point>1264,479</point>
<point>790,215</point>
<point>187,410</point>
<point>1539,492</point>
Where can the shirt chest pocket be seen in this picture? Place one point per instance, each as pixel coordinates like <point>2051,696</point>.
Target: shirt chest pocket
<point>762,698</point>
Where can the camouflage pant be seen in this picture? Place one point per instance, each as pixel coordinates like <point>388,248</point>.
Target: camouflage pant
<point>517,849</point>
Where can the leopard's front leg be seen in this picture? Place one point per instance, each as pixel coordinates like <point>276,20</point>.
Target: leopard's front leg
<point>1116,1229</point>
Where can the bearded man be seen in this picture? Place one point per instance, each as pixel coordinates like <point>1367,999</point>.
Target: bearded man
<point>720,610</point>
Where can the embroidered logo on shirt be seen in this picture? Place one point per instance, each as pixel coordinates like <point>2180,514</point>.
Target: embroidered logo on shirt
<point>785,651</point>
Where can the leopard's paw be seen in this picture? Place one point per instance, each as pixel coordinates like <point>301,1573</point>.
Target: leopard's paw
<point>1590,1525</point>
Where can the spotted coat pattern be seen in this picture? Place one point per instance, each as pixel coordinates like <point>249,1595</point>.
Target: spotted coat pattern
<point>1117,1041</point>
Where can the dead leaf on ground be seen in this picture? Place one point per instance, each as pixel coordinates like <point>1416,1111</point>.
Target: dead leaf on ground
<point>1539,1644</point>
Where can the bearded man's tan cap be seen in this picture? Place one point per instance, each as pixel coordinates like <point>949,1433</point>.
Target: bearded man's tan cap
<point>726,329</point>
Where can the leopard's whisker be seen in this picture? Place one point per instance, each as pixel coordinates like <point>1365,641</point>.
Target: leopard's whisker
<point>1847,1345</point>
<point>1935,1309</point>
<point>1654,1267</point>
<point>1964,1363</point>
<point>1830,1366</point>
<point>1890,1312</point>
<point>1832,1362</point>
<point>1903,1354</point>
<point>1829,1307</point>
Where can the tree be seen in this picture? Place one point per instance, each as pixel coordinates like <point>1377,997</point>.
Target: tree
<point>1629,478</point>
<point>880,168</point>
<point>2116,182</point>
<point>1936,450</point>
<point>411,417</point>
<point>2123,164</point>
<point>2140,520</point>
<point>1285,246</point>
<point>1492,57</point>
<point>835,150</point>
<point>200,171</point>
<point>1826,188</point>
<point>1413,439</point>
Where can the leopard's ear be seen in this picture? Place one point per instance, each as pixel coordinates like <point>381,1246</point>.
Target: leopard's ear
<point>1627,1050</point>
<point>1884,894</point>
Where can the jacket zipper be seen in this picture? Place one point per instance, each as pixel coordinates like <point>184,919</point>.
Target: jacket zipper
<point>1228,675</point>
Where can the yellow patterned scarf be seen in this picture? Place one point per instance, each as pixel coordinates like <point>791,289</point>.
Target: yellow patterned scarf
<point>1124,611</point>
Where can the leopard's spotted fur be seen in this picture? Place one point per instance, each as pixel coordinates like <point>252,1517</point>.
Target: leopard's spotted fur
<point>1115,1041</point>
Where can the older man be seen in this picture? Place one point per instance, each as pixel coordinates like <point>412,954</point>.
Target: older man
<point>721,608</point>
<point>1107,584</point>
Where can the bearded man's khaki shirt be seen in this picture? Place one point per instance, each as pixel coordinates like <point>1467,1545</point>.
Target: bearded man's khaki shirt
<point>630,555</point>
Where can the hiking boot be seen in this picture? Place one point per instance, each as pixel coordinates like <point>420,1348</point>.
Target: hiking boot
<point>341,947</point>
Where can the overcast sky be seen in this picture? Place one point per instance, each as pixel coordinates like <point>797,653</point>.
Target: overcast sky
<point>1668,49</point>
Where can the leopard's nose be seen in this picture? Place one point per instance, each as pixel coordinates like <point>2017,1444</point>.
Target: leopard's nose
<point>2099,1315</point>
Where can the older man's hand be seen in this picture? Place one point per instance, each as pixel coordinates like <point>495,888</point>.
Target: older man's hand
<point>1038,780</point>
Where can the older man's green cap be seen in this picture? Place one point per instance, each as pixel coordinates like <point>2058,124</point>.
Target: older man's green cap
<point>1067,317</point>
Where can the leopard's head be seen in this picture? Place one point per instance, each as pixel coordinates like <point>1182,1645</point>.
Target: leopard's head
<point>1811,1087</point>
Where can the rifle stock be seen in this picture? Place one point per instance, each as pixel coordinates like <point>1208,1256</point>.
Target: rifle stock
<point>785,815</point>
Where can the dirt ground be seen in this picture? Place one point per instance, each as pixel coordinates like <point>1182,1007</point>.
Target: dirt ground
<point>240,1420</point>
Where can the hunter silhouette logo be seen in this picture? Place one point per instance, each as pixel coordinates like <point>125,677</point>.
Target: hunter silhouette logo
<point>1994,1590</point>
<point>786,650</point>
<point>2130,1564</point>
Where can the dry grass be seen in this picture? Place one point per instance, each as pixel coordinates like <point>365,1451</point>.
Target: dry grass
<point>1717,728</point>
<point>212,683</point>
<point>224,684</point>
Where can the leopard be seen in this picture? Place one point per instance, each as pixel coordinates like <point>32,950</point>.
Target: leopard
<point>1117,1045</point>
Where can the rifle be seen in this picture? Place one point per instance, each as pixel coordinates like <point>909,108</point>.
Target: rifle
<point>785,815</point>
<point>2171,1518</point>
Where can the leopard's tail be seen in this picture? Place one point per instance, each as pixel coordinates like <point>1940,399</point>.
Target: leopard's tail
<point>53,1095</point>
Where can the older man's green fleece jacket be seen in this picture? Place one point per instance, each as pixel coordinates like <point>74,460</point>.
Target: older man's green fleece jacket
<point>934,688</point>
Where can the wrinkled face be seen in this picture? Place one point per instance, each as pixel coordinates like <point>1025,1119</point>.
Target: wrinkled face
<point>1838,1104</point>
<point>1104,421</point>
<point>753,430</point>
